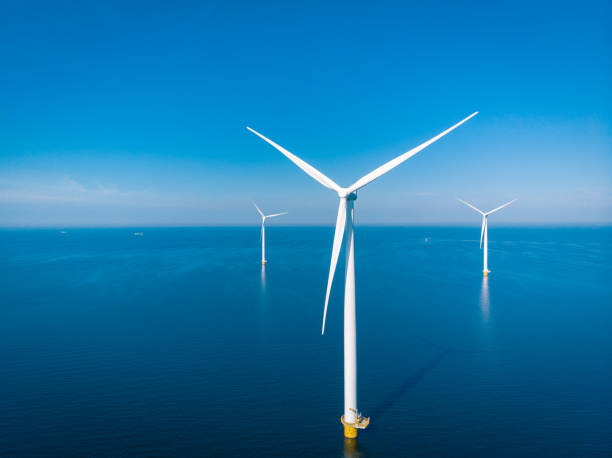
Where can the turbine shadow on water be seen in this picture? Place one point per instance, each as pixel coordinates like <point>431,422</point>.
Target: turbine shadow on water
<point>390,400</point>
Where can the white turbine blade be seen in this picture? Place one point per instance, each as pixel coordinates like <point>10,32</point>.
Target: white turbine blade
<point>485,226</point>
<point>276,214</point>
<point>309,169</point>
<point>260,212</point>
<point>484,223</point>
<point>501,206</point>
<point>338,236</point>
<point>398,160</point>
<point>470,205</point>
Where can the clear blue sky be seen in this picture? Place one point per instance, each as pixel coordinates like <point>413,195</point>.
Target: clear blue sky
<point>134,113</point>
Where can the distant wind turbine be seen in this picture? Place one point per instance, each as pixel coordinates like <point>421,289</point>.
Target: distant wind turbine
<point>263,231</point>
<point>351,419</point>
<point>483,232</point>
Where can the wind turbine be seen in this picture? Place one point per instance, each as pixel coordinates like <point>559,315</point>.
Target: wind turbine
<point>263,231</point>
<point>351,419</point>
<point>483,232</point>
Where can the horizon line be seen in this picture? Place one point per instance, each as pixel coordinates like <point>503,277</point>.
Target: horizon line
<point>256,225</point>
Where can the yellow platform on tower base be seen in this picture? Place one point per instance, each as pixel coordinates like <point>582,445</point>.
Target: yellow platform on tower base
<point>350,429</point>
<point>485,273</point>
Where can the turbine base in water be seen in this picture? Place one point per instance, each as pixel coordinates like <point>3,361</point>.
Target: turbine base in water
<point>350,432</point>
<point>485,273</point>
<point>263,263</point>
<point>350,429</point>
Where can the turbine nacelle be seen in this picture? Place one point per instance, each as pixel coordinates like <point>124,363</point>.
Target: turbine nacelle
<point>346,193</point>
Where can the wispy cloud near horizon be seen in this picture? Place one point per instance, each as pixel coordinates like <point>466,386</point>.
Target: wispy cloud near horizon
<point>66,190</point>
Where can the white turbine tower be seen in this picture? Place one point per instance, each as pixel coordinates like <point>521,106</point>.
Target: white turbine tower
<point>263,231</point>
<point>344,225</point>
<point>483,233</point>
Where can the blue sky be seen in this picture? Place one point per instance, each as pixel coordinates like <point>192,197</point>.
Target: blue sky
<point>134,113</point>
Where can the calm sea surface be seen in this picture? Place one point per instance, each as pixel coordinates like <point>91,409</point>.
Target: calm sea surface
<point>176,343</point>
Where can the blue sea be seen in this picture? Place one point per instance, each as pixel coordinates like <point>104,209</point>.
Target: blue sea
<point>178,343</point>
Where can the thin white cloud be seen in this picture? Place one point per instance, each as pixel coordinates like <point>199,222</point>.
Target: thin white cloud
<point>69,185</point>
<point>66,189</point>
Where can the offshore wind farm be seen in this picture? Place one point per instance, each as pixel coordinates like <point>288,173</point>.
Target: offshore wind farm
<point>171,285</point>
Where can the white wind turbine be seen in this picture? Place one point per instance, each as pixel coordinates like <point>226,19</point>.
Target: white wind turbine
<point>483,232</point>
<point>263,231</point>
<point>344,224</point>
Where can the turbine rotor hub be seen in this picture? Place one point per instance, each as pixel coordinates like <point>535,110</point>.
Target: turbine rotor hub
<point>346,194</point>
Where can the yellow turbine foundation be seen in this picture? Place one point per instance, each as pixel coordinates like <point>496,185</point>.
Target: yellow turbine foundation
<point>350,429</point>
<point>350,432</point>
<point>485,273</point>
<point>263,263</point>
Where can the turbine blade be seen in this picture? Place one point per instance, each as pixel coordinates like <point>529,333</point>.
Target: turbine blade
<point>484,223</point>
<point>501,206</point>
<point>486,226</point>
<point>398,160</point>
<point>471,206</point>
<point>338,236</point>
<point>260,212</point>
<point>309,169</point>
<point>276,214</point>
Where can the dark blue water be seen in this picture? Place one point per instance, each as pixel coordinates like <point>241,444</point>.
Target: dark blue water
<point>177,343</point>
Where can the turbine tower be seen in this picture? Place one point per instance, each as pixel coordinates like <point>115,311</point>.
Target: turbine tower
<point>263,231</point>
<point>483,233</point>
<point>351,419</point>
